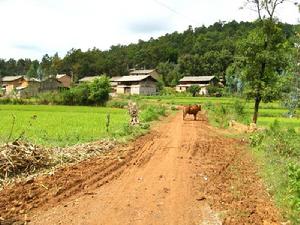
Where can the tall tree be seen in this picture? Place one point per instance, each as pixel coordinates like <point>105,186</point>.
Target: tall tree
<point>33,70</point>
<point>262,55</point>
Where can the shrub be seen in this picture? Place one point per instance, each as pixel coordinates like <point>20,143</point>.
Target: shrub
<point>294,189</point>
<point>221,114</point>
<point>78,95</point>
<point>151,113</point>
<point>194,90</point>
<point>168,91</point>
<point>99,90</point>
<point>14,101</point>
<point>96,93</point>
<point>239,108</point>
<point>50,98</point>
<point>117,104</point>
<point>281,148</point>
<point>214,90</point>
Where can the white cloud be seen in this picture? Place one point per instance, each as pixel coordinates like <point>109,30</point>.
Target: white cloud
<point>32,28</point>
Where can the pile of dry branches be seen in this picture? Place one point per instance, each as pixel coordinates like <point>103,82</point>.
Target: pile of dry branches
<point>20,157</point>
<point>80,152</point>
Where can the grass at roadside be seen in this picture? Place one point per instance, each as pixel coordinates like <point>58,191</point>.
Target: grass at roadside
<point>277,151</point>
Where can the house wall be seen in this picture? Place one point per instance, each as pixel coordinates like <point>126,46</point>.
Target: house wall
<point>203,90</point>
<point>11,85</point>
<point>50,85</point>
<point>147,87</point>
<point>120,89</point>
<point>31,90</point>
<point>135,89</point>
<point>65,80</point>
<point>180,89</point>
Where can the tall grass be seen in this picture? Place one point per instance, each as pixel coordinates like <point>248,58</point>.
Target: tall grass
<point>278,151</point>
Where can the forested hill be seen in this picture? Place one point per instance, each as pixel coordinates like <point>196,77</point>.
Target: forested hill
<point>199,51</point>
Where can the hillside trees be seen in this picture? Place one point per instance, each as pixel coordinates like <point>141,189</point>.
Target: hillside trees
<point>33,70</point>
<point>196,51</point>
<point>170,73</point>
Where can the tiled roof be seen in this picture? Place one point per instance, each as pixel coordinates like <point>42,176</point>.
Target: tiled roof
<point>135,78</point>
<point>88,79</point>
<point>11,78</point>
<point>145,72</point>
<point>197,78</point>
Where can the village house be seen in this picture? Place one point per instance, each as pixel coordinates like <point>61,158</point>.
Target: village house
<point>30,87</point>
<point>137,84</point>
<point>202,81</point>
<point>22,87</point>
<point>10,83</point>
<point>50,84</point>
<point>65,80</point>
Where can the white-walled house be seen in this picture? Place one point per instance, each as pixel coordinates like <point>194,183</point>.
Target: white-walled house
<point>137,85</point>
<point>201,81</point>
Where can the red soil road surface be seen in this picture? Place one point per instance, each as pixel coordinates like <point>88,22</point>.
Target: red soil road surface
<point>181,173</point>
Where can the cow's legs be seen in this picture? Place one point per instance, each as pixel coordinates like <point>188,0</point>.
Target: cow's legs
<point>195,116</point>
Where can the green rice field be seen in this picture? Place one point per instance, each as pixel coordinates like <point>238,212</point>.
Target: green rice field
<point>60,125</point>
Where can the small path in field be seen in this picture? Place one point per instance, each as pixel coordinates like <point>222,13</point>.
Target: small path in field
<point>181,173</point>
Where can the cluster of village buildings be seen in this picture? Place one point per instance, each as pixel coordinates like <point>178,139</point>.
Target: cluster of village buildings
<point>22,87</point>
<point>138,82</point>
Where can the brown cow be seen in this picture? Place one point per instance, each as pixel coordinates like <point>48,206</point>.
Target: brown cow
<point>191,109</point>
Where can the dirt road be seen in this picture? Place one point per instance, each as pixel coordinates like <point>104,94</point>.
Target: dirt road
<point>182,173</point>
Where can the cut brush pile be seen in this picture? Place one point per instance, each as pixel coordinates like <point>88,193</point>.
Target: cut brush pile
<point>21,159</point>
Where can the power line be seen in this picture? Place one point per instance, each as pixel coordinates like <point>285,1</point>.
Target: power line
<point>175,11</point>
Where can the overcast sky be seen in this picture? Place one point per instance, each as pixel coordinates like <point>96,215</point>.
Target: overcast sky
<point>32,28</point>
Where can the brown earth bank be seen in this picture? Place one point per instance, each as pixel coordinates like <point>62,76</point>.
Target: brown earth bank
<point>182,172</point>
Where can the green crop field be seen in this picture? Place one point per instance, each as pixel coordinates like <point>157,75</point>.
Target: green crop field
<point>267,114</point>
<point>60,125</point>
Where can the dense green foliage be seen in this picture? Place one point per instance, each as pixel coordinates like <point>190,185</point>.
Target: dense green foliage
<point>95,93</point>
<point>279,151</point>
<point>262,59</point>
<point>199,51</point>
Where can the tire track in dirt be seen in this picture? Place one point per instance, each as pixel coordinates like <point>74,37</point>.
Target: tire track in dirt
<point>182,172</point>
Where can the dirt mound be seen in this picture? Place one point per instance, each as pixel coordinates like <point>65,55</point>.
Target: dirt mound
<point>183,172</point>
<point>242,128</point>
